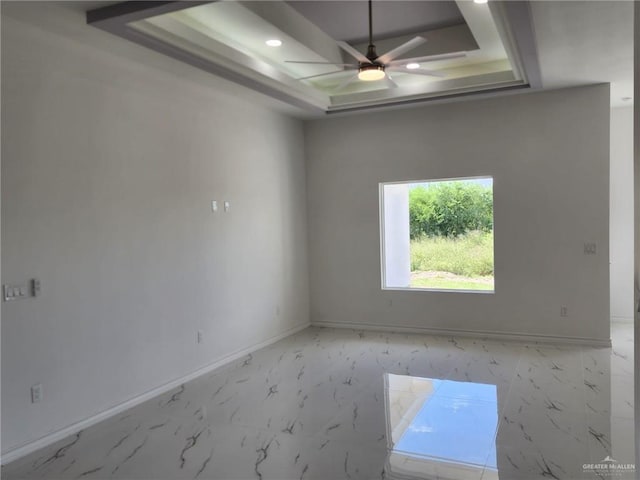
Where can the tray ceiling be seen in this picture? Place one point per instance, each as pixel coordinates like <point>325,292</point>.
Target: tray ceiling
<point>228,38</point>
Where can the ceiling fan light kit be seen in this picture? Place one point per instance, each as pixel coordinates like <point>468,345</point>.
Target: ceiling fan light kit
<point>369,73</point>
<point>372,66</point>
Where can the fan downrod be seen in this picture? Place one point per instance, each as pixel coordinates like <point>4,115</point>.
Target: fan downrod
<point>371,49</point>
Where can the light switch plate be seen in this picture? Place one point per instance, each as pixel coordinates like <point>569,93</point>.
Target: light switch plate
<point>36,393</point>
<point>18,291</point>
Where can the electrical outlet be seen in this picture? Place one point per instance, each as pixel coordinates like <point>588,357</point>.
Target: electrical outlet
<point>564,312</point>
<point>589,248</point>
<point>36,393</point>
<point>200,336</point>
<point>214,206</point>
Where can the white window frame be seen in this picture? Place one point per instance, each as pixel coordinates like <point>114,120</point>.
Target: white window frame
<point>383,273</point>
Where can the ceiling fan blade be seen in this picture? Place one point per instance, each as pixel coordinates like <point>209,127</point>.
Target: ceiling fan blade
<point>389,81</point>
<point>322,63</point>
<point>346,82</point>
<point>429,58</point>
<point>405,47</point>
<point>320,75</point>
<point>418,71</point>
<point>353,52</point>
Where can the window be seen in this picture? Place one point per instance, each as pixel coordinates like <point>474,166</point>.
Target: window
<point>438,235</point>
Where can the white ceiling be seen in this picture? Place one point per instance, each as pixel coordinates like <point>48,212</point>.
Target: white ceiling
<point>582,42</point>
<point>579,42</point>
<point>347,20</point>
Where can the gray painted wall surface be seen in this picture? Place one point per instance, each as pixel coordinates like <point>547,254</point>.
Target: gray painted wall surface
<point>549,156</point>
<point>621,219</point>
<point>108,170</point>
<point>636,221</point>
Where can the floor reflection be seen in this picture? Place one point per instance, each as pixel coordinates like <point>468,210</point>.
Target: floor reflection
<point>440,428</point>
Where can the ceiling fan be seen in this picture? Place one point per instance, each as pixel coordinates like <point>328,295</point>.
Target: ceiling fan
<point>372,66</point>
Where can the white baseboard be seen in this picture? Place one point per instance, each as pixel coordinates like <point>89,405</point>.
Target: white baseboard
<point>512,337</point>
<point>26,449</point>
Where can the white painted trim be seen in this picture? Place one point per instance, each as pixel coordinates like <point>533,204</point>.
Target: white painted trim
<point>512,337</point>
<point>25,449</point>
<point>440,290</point>
<point>383,260</point>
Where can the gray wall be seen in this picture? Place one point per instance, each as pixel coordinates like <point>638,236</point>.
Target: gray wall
<point>549,156</point>
<point>108,170</point>
<point>636,222</point>
<point>621,214</point>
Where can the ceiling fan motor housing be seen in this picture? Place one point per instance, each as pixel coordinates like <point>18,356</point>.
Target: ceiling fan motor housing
<point>373,70</point>
<point>371,53</point>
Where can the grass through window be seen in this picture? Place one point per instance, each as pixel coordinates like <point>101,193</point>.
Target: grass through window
<point>464,262</point>
<point>451,234</point>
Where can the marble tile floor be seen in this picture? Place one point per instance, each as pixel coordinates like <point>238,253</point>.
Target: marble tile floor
<point>339,404</point>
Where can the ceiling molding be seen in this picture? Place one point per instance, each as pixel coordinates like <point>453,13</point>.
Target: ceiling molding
<point>501,32</point>
<point>517,24</point>
<point>115,19</point>
<point>120,14</point>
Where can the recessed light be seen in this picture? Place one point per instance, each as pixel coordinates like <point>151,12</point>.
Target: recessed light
<point>479,1</point>
<point>412,66</point>
<point>274,42</point>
